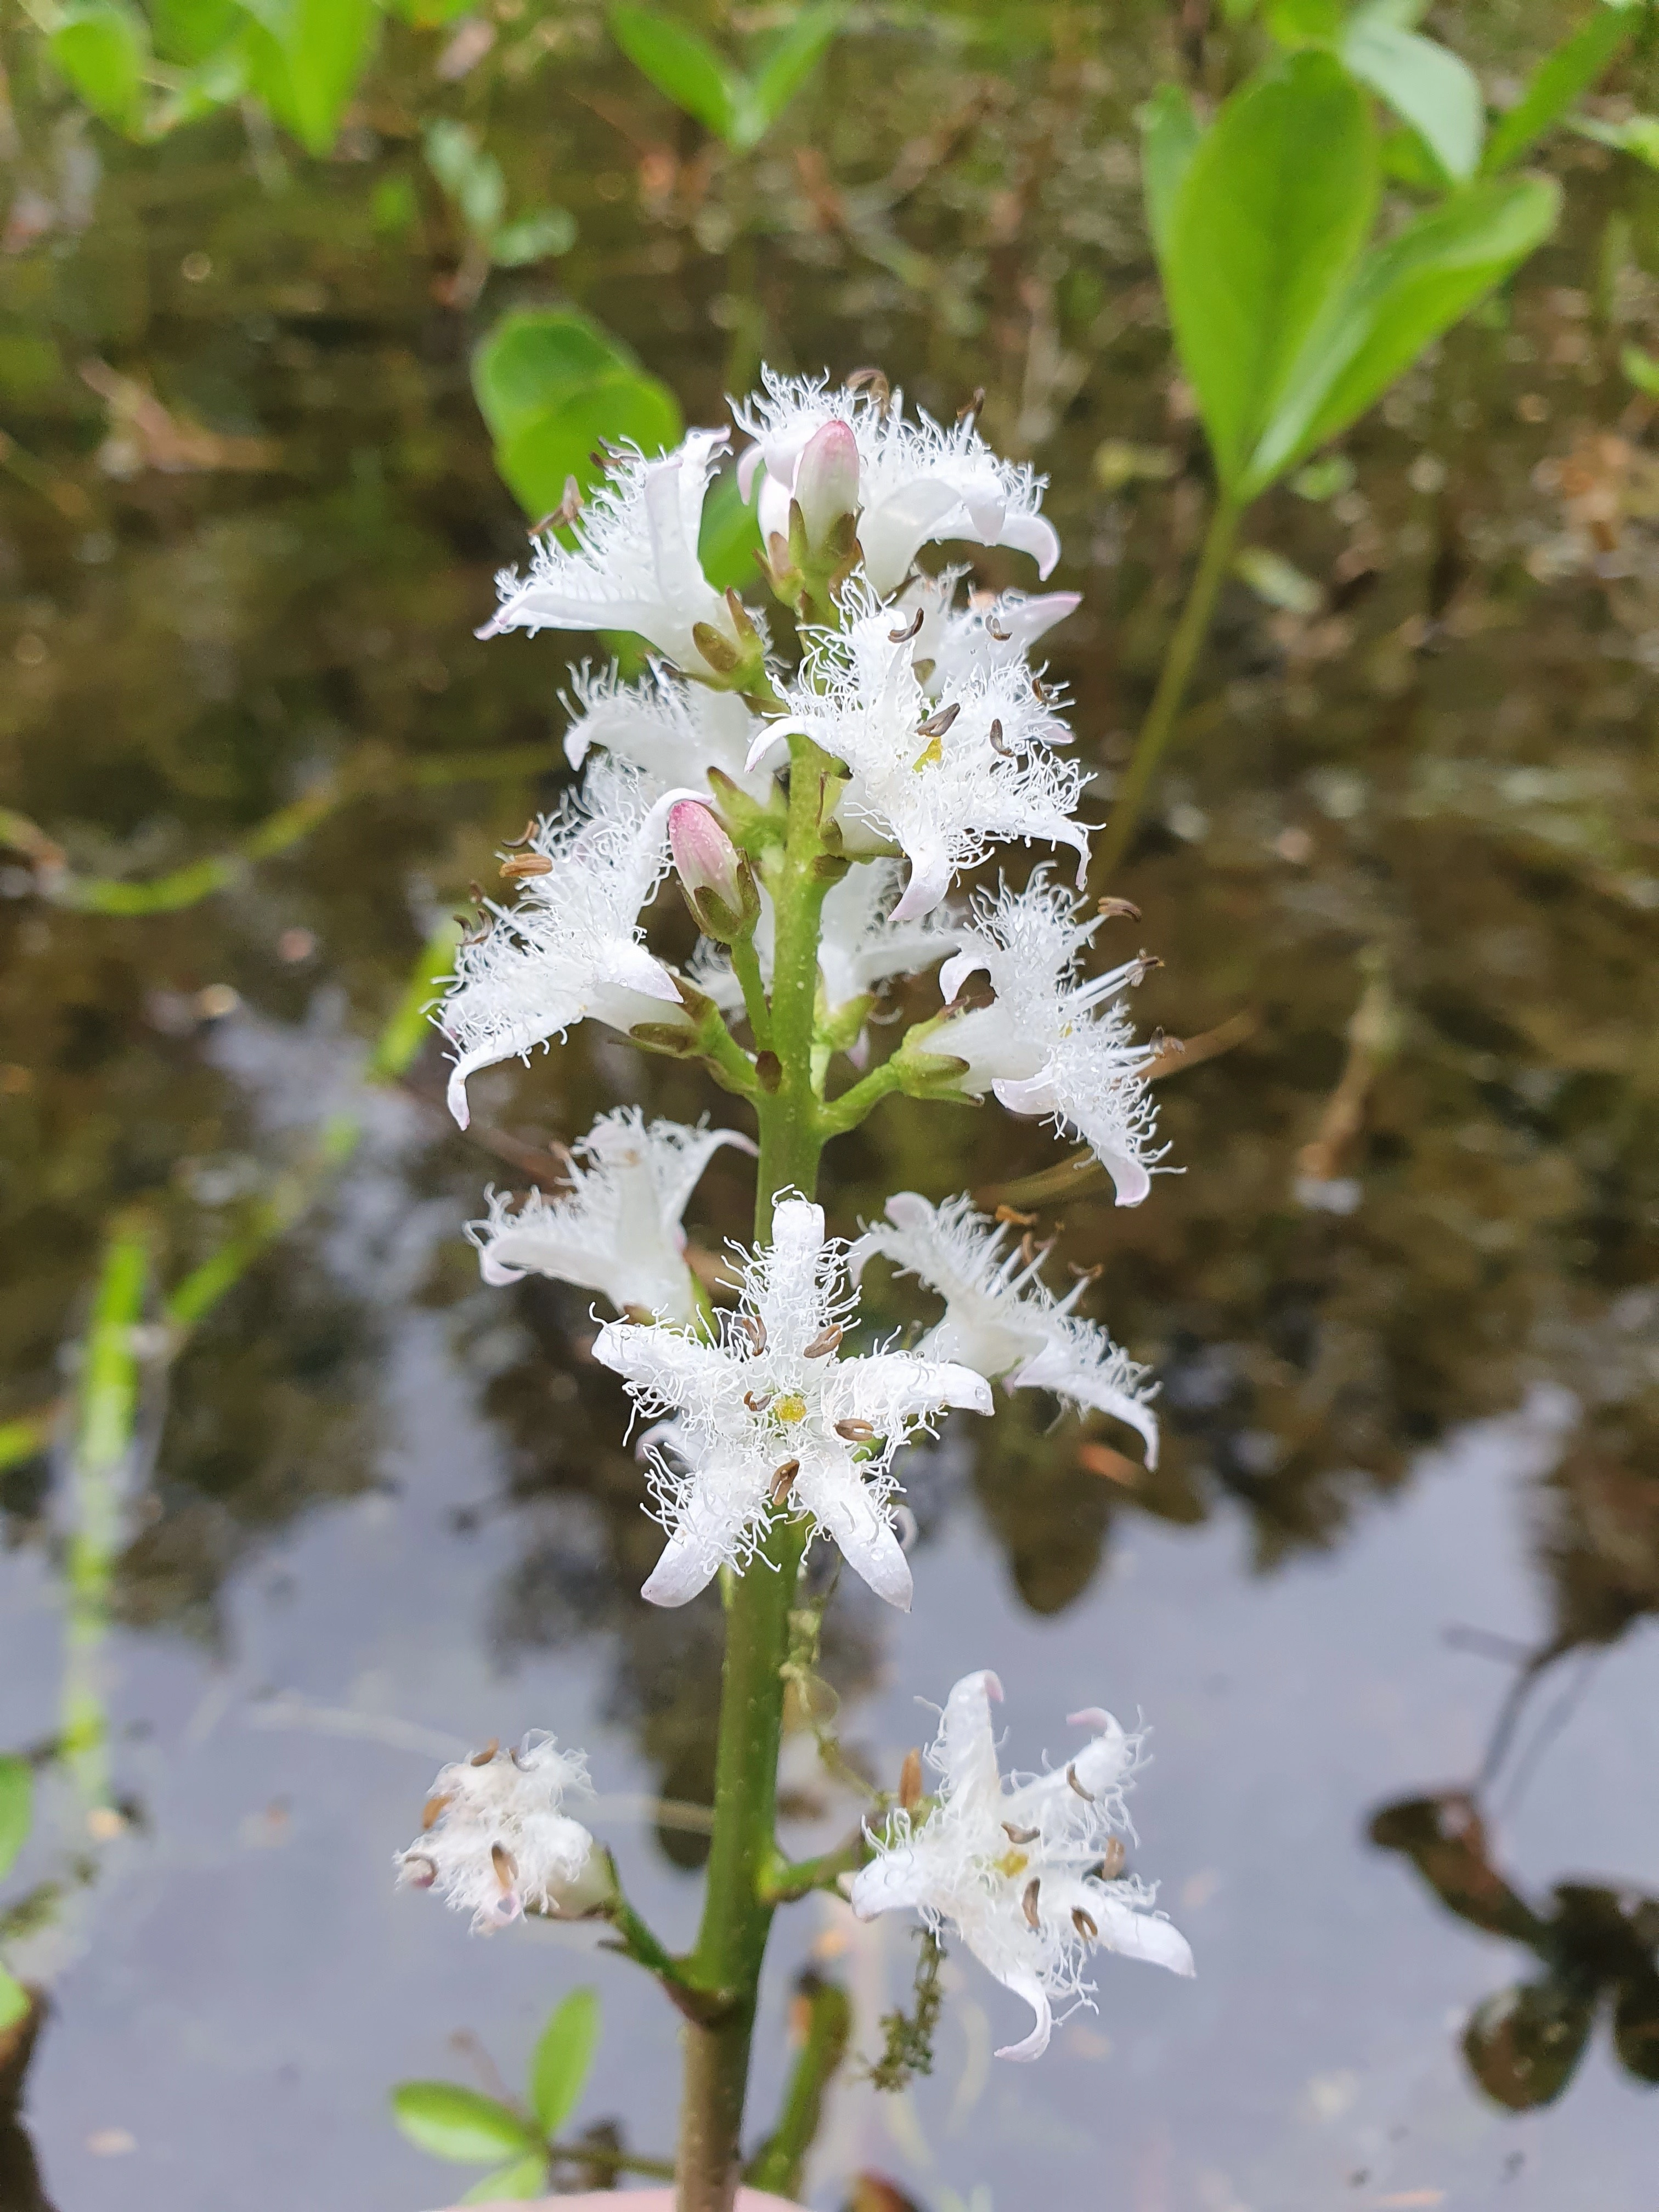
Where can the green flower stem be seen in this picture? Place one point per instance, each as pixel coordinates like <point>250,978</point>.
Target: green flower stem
<point>1159,725</point>
<point>611,2161</point>
<point>737,1917</point>
<point>849,1109</point>
<point>787,1880</point>
<point>745,963</point>
<point>828,2018</point>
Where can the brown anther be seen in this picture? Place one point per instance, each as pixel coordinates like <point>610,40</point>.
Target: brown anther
<point>482,1758</point>
<point>565,513</point>
<point>432,1810</point>
<point>518,1759</point>
<point>910,1790</point>
<point>876,381</point>
<point>506,1865</point>
<point>997,745</point>
<point>1116,909</point>
<point>1039,691</point>
<point>755,1329</point>
<point>912,629</point>
<point>1028,1904</point>
<point>1014,1219</point>
<point>824,1343</point>
<point>1088,1796</point>
<point>757,1404</point>
<point>517,844</point>
<point>996,630</point>
<point>973,408</point>
<point>475,892</point>
<point>782,1480</point>
<point>856,1432</point>
<point>937,724</point>
<point>1113,1863</point>
<point>1020,1835</point>
<point>522,865</point>
<point>1084,1925</point>
<point>1085,1274</point>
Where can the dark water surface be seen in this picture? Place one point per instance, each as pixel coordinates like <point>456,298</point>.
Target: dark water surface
<point>1405,870</point>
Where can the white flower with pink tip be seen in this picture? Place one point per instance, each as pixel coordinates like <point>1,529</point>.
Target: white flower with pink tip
<point>1026,1870</point>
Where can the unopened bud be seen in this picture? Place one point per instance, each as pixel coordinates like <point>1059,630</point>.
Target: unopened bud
<point>718,881</point>
<point>826,479</point>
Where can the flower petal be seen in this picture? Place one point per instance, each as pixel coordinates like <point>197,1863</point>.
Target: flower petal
<point>967,1747</point>
<point>1146,1935</point>
<point>830,1489</point>
<point>1025,1982</point>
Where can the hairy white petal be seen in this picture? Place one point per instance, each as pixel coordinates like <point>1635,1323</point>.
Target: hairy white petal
<point>497,1843</point>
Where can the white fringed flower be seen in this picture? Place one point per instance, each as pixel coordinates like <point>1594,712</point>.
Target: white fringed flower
<point>956,643</point>
<point>616,1228</point>
<point>1001,1317</point>
<point>496,1845</point>
<point>635,564</point>
<point>942,782</point>
<point>918,481</point>
<point>1023,1870</point>
<point>572,948</point>
<point>672,731</point>
<point>861,945</point>
<point>769,1413</point>
<point>1053,1043</point>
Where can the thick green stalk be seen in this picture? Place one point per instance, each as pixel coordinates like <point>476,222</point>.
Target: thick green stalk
<point>1159,725</point>
<point>737,1916</point>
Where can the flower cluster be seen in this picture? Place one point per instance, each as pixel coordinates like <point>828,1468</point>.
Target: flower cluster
<point>820,815</point>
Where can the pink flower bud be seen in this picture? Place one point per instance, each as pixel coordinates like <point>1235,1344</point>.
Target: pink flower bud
<point>826,479</point>
<point>718,885</point>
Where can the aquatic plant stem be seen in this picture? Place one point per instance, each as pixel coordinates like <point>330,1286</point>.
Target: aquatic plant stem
<point>737,1910</point>
<point>1178,663</point>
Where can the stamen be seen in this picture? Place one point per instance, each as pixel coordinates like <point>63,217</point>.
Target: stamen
<point>1039,691</point>
<point>1028,1904</point>
<point>1010,1218</point>
<point>566,512</point>
<point>782,1480</point>
<point>1118,909</point>
<point>517,844</point>
<point>855,1431</point>
<point>1084,1925</point>
<point>755,1329</point>
<point>880,390</point>
<point>997,745</point>
<point>824,1343</point>
<point>757,1403</point>
<point>506,1865</point>
<point>1020,1835</point>
<point>1112,1863</point>
<point>482,1758</point>
<point>1087,1795</point>
<point>526,864</point>
<point>432,1811</point>
<point>912,629</point>
<point>1087,1274</point>
<point>419,1880</point>
<point>996,630</point>
<point>937,724</point>
<point>975,408</point>
<point>909,1788</point>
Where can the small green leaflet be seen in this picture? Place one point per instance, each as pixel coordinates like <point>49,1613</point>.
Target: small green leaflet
<point>563,2059</point>
<point>458,2124</point>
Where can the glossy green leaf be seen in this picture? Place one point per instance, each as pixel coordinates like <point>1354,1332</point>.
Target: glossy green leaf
<point>14,2001</point>
<point>458,2124</point>
<point>683,67</point>
<point>17,1808</point>
<point>524,2177</point>
<point>310,61</point>
<point>1641,368</point>
<point>1266,228</point>
<point>730,537</point>
<point>534,359</point>
<point>102,47</point>
<point>1523,2045</point>
<point>1427,86</point>
<point>623,404</point>
<point>790,60</point>
<point>1560,78</point>
<point>1408,293</point>
<point>188,30</point>
<point>1170,135</point>
<point>563,2058</point>
<point>540,235</point>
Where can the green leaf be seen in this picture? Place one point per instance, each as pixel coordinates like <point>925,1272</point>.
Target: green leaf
<point>471,178</point>
<point>539,235</point>
<point>17,1808</point>
<point>730,536</point>
<point>560,2066</point>
<point>1296,23</point>
<point>1278,581</point>
<point>1637,134</point>
<point>458,2124</point>
<point>102,46</point>
<point>1274,208</point>
<point>1408,293</point>
<point>525,2177</point>
<point>558,443</point>
<point>1641,368</point>
<point>1427,86</point>
<point>1560,78</point>
<point>188,30</point>
<point>14,2000</point>
<point>683,67</point>
<point>534,358</point>
<point>310,60</point>
<point>791,59</point>
<point>1170,136</point>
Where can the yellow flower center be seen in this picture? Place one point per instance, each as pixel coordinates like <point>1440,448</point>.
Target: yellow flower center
<point>790,1407</point>
<point>1012,1863</point>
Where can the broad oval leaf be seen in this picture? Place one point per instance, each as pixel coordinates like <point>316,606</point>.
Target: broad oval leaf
<point>1408,293</point>
<point>623,404</point>
<point>453,2123</point>
<point>1559,79</point>
<point>563,2057</point>
<point>730,537</point>
<point>17,1808</point>
<point>1170,136</point>
<point>308,75</point>
<point>683,67</point>
<point>1268,224</point>
<point>102,46</point>
<point>525,2177</point>
<point>188,30</point>
<point>1427,86</point>
<point>536,357</point>
<point>1523,2045</point>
